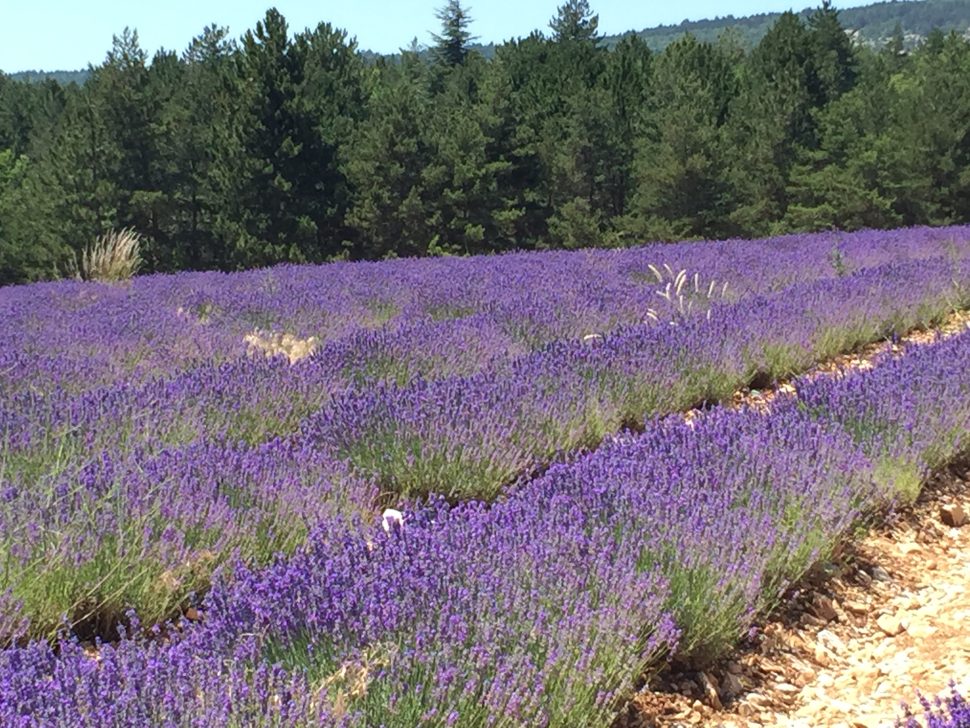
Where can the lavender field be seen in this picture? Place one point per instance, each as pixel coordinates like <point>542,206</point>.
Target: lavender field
<point>228,442</point>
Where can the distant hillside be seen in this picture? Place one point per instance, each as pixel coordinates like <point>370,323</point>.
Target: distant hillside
<point>872,24</point>
<point>62,77</point>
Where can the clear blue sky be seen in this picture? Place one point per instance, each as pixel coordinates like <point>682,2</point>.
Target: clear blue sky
<point>70,34</point>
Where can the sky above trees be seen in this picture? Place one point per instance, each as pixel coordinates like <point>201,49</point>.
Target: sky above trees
<point>68,35</point>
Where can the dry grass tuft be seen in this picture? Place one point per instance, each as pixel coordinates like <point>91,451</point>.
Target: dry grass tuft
<point>351,680</point>
<point>684,293</point>
<point>114,256</point>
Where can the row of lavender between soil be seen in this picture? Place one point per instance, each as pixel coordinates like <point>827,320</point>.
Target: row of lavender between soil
<point>254,399</point>
<point>133,500</point>
<point>547,607</point>
<point>67,337</point>
<point>398,318</point>
<point>469,436</point>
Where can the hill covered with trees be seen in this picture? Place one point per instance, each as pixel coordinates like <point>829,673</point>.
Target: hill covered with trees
<point>296,147</point>
<point>873,25</point>
<point>62,77</point>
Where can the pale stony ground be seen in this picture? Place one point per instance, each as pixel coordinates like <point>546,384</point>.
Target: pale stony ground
<point>888,621</point>
<point>865,644</point>
<point>898,637</point>
<point>270,344</point>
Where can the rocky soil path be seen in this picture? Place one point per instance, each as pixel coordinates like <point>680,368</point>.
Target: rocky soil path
<point>886,621</point>
<point>890,638</point>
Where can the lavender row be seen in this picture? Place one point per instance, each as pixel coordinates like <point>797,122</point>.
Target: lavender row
<point>647,368</point>
<point>82,542</point>
<point>539,610</point>
<point>75,337</point>
<point>216,391</point>
<point>125,497</point>
<point>544,608</point>
<point>470,436</point>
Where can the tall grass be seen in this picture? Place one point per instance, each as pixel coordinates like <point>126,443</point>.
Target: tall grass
<point>112,257</point>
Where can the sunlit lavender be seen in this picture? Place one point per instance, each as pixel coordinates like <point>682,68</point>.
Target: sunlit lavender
<point>445,492</point>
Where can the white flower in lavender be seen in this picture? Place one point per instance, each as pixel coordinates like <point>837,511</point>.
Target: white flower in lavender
<point>392,519</point>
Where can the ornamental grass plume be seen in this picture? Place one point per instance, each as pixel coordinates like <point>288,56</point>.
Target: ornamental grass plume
<point>682,292</point>
<point>114,256</point>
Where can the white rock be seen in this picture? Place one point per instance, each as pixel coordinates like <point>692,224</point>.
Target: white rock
<point>831,641</point>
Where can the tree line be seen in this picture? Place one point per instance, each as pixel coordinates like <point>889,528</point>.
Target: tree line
<point>285,146</point>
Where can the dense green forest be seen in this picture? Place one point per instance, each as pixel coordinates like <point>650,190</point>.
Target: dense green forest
<point>292,147</point>
<point>62,77</point>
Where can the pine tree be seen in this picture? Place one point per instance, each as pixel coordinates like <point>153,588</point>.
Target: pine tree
<point>845,182</point>
<point>330,102</point>
<point>834,59</point>
<point>88,176</point>
<point>451,47</point>
<point>575,21</point>
<point>194,135</point>
<point>770,119</point>
<point>928,143</point>
<point>256,215</point>
<point>18,108</point>
<point>628,80</point>
<point>896,45</point>
<point>385,164</point>
<point>683,183</point>
<point>518,95</point>
<point>23,257</point>
<point>283,193</point>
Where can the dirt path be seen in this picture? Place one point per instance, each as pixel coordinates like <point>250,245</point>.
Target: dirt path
<point>895,637</point>
<point>886,621</point>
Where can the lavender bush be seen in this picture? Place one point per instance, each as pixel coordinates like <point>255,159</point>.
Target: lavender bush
<point>86,542</point>
<point>540,609</point>
<point>910,433</point>
<point>74,337</point>
<point>460,436</point>
<point>470,436</point>
<point>150,458</point>
<point>148,445</point>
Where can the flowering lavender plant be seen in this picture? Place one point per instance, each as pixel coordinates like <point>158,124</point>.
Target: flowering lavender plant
<point>542,608</point>
<point>154,459</point>
<point>952,711</point>
<point>153,440</point>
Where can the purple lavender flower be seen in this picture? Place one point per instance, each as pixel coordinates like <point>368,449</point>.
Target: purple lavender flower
<point>952,711</point>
